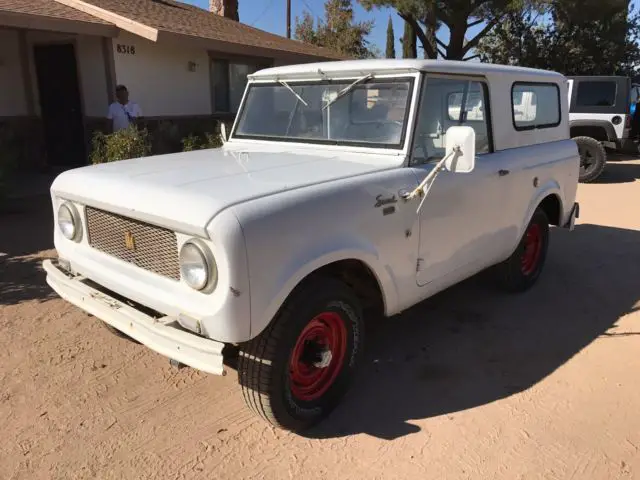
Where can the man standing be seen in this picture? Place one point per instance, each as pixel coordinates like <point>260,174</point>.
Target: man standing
<point>122,112</point>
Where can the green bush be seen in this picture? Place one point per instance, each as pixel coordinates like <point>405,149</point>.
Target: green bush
<point>124,144</point>
<point>200,142</point>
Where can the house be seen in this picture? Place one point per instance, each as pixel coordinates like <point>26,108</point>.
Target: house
<point>60,61</point>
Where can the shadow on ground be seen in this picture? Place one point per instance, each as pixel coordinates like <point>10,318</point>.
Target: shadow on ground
<point>473,345</point>
<point>620,172</point>
<point>26,231</point>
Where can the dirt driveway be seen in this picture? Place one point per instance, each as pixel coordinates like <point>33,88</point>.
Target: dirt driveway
<point>472,384</point>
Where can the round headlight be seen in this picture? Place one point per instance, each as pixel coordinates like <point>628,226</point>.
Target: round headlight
<point>68,221</point>
<point>196,265</point>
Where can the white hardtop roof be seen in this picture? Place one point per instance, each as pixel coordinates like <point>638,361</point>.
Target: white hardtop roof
<point>391,66</point>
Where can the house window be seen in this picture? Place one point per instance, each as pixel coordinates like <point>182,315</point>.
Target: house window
<point>229,79</point>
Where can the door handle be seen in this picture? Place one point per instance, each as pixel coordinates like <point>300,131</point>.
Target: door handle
<point>503,173</point>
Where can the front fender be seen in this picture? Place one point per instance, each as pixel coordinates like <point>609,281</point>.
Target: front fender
<point>266,303</point>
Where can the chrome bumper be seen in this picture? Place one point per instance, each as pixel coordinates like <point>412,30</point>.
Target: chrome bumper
<point>163,335</point>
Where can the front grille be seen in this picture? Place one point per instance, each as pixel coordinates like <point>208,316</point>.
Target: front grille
<point>144,245</point>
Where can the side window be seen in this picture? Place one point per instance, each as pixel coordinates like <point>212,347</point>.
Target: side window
<point>447,102</point>
<point>535,105</point>
<point>596,93</point>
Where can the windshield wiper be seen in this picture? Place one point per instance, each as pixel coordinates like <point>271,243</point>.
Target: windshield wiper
<point>346,90</point>
<point>285,84</point>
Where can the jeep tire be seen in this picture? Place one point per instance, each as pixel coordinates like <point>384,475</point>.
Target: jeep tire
<point>298,369</point>
<point>523,268</point>
<point>593,158</point>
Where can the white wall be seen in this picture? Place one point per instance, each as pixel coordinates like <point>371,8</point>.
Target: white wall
<point>158,78</point>
<point>12,95</point>
<point>91,70</point>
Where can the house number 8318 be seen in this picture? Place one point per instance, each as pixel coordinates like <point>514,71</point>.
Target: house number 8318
<point>126,49</point>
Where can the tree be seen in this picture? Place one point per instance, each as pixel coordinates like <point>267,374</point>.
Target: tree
<point>426,16</point>
<point>409,49</point>
<point>574,38</point>
<point>337,31</point>
<point>391,41</point>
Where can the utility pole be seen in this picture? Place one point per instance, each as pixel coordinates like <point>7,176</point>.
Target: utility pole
<point>288,18</point>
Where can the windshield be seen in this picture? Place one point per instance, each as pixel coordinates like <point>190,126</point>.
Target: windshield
<point>366,111</point>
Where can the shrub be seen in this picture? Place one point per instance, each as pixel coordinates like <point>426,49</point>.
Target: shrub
<point>200,142</point>
<point>124,144</point>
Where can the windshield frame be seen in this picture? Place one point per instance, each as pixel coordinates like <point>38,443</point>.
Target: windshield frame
<point>412,80</point>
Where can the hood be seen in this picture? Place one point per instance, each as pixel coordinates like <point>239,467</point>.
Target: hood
<point>184,191</point>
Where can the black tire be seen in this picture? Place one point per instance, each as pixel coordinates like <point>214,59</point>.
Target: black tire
<point>267,366</point>
<point>523,268</point>
<point>117,332</point>
<point>593,158</point>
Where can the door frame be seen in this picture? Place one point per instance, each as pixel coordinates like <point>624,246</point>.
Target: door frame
<point>73,41</point>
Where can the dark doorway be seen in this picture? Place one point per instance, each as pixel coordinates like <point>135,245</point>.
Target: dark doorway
<point>60,105</point>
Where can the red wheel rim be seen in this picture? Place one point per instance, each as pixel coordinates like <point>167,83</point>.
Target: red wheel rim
<point>318,356</point>
<point>532,249</point>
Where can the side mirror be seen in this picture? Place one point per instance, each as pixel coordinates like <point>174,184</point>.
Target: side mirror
<point>460,149</point>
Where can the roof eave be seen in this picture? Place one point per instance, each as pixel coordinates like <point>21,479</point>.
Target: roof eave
<point>191,41</point>
<point>33,21</point>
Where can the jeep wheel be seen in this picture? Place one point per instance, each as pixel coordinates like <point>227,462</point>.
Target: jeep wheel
<point>522,269</point>
<point>299,368</point>
<point>593,158</point>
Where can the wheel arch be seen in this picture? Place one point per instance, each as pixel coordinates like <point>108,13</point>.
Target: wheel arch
<point>598,130</point>
<point>371,282</point>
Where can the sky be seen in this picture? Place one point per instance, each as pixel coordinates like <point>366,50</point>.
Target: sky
<point>270,15</point>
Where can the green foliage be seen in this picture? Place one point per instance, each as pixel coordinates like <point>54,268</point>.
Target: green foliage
<point>409,45</point>
<point>200,142</point>
<point>337,31</point>
<point>124,144</point>
<point>426,17</point>
<point>391,41</point>
<point>574,38</point>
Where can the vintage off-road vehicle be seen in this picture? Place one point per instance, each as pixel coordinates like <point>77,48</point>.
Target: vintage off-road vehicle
<point>601,115</point>
<point>343,187</point>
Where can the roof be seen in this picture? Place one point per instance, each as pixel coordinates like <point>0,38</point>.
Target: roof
<point>149,18</point>
<point>400,66</point>
<point>48,8</point>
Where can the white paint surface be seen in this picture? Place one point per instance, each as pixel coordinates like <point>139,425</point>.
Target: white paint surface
<point>12,99</point>
<point>159,79</point>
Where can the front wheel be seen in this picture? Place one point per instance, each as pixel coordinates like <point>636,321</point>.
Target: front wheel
<point>521,270</point>
<point>298,369</point>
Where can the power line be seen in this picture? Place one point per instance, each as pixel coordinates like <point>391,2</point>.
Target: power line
<point>269,5</point>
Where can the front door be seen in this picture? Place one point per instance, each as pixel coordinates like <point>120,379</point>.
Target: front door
<point>461,230</point>
<point>60,105</point>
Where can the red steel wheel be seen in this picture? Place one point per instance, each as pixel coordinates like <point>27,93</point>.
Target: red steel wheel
<point>532,249</point>
<point>318,356</point>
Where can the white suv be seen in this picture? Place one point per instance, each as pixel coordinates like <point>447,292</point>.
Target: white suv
<point>343,187</point>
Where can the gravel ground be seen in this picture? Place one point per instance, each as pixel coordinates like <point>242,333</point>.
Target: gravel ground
<point>472,384</point>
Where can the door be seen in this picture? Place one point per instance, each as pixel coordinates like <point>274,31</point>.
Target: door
<point>60,105</point>
<point>461,227</point>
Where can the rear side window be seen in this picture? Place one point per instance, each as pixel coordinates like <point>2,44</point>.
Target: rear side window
<point>595,93</point>
<point>535,105</point>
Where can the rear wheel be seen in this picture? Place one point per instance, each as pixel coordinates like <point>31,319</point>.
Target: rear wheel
<point>522,269</point>
<point>299,368</point>
<point>593,158</point>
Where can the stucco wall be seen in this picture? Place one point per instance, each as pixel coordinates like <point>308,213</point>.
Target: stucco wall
<point>12,95</point>
<point>91,70</point>
<point>158,77</point>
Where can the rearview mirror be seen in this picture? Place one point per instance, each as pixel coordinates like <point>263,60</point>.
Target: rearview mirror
<point>460,149</point>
